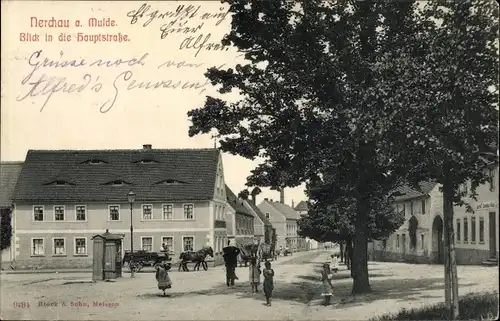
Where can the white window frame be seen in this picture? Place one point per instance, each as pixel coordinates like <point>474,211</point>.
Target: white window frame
<point>184,212</point>
<point>142,211</point>
<point>163,211</point>
<point>188,236</point>
<point>43,214</point>
<point>54,248</point>
<point>86,213</point>
<point>119,213</point>
<point>32,246</point>
<point>64,212</point>
<point>173,242</point>
<point>152,242</point>
<point>75,252</point>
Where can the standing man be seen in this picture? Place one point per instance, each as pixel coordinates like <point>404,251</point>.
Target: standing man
<point>231,261</point>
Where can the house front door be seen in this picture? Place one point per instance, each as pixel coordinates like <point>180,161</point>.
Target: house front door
<point>493,236</point>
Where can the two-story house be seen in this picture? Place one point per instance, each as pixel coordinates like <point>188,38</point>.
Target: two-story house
<point>64,197</point>
<point>284,219</point>
<point>476,234</point>
<point>263,229</point>
<point>419,239</point>
<point>239,220</point>
<point>9,174</point>
<point>302,209</point>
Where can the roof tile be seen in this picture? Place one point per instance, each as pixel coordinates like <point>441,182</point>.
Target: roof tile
<point>196,167</point>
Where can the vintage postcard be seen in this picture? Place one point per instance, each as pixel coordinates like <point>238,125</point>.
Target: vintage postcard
<point>211,160</point>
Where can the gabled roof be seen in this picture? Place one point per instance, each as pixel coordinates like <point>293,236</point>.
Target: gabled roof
<point>236,203</point>
<point>9,174</point>
<point>196,167</point>
<point>302,206</point>
<point>406,192</point>
<point>288,212</point>
<point>259,213</point>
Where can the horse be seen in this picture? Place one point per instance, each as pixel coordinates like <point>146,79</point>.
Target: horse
<point>248,251</point>
<point>198,257</point>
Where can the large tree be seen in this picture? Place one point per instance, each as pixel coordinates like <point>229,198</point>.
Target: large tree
<point>5,228</point>
<point>451,130</point>
<point>310,98</point>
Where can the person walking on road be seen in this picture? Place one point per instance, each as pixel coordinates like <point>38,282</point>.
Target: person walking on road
<point>268,273</point>
<point>231,261</point>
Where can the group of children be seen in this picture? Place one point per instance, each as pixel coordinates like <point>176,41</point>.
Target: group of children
<point>164,281</point>
<point>254,278</point>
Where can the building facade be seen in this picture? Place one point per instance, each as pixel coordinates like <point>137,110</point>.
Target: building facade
<point>284,219</point>
<point>420,238</point>
<point>240,222</point>
<point>263,229</point>
<point>63,198</point>
<point>476,234</point>
<point>302,209</point>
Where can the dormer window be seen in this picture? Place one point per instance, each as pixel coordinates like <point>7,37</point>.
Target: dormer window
<point>59,183</point>
<point>146,161</point>
<point>94,161</point>
<point>171,182</point>
<point>117,182</point>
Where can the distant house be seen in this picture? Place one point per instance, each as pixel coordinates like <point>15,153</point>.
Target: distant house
<point>9,174</point>
<point>284,220</point>
<point>64,197</point>
<point>263,229</point>
<point>239,220</point>
<point>302,209</point>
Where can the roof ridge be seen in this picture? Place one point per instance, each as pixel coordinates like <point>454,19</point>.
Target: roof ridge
<point>120,150</point>
<point>11,162</point>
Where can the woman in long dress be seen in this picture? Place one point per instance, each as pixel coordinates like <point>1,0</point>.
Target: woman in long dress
<point>327,283</point>
<point>163,278</point>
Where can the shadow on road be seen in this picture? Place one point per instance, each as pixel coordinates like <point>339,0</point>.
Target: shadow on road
<point>309,290</point>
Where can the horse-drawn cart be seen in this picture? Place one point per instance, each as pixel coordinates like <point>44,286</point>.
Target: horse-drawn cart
<point>137,260</point>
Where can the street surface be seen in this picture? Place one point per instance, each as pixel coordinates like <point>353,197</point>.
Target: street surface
<point>204,295</point>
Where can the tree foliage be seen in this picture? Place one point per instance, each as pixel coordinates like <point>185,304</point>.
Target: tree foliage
<point>332,219</point>
<point>310,99</point>
<point>5,228</point>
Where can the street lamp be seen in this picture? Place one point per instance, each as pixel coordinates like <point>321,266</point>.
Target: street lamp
<point>131,200</point>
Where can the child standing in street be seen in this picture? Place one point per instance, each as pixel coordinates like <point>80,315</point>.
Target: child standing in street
<point>335,264</point>
<point>163,278</point>
<point>254,274</point>
<point>327,283</point>
<point>268,282</point>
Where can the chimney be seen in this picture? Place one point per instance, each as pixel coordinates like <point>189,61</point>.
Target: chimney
<point>266,199</point>
<point>147,147</point>
<point>254,199</point>
<point>293,204</point>
<point>282,195</point>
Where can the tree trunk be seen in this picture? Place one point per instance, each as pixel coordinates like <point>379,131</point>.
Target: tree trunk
<point>361,282</point>
<point>348,254</point>
<point>341,246</point>
<point>450,253</point>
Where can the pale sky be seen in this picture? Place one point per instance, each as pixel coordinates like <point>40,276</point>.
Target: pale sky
<point>73,120</point>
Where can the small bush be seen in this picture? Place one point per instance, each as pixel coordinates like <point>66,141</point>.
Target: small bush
<point>474,306</point>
